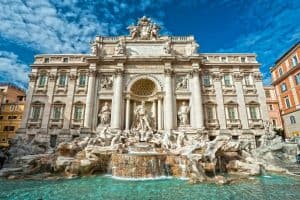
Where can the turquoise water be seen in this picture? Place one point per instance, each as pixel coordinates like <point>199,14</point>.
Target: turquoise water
<point>103,187</point>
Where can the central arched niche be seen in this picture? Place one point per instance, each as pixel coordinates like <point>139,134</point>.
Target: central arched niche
<point>143,87</point>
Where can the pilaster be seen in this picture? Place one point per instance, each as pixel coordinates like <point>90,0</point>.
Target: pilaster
<point>69,101</point>
<point>261,96</point>
<point>50,89</point>
<point>240,100</point>
<point>220,100</point>
<point>31,87</point>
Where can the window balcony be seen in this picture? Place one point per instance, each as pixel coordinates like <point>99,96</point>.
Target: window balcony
<point>233,123</point>
<point>249,88</point>
<point>34,123</point>
<point>58,123</point>
<point>228,88</point>
<point>61,88</point>
<point>77,123</point>
<point>256,123</point>
<point>212,123</point>
<point>81,88</point>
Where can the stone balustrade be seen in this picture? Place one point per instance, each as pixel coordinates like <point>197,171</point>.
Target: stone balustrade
<point>54,59</point>
<point>219,58</point>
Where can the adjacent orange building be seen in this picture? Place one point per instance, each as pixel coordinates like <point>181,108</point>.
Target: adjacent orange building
<point>286,80</point>
<point>273,107</point>
<point>12,101</point>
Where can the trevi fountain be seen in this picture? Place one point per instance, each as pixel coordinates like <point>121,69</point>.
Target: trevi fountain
<point>154,140</point>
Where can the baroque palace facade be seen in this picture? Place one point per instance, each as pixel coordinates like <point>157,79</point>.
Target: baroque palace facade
<point>144,82</point>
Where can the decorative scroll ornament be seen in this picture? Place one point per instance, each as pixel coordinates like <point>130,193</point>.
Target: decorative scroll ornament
<point>145,29</point>
<point>52,77</point>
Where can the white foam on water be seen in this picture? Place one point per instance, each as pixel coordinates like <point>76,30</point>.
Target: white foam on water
<point>140,179</point>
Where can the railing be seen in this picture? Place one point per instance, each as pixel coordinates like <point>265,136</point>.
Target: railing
<point>233,123</point>
<point>34,122</point>
<point>253,123</point>
<point>77,123</point>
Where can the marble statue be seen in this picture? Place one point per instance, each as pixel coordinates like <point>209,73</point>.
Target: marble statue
<point>93,48</point>
<point>183,114</point>
<point>133,31</point>
<point>104,114</point>
<point>194,48</point>
<point>167,47</point>
<point>154,31</point>
<point>145,29</point>
<point>141,121</point>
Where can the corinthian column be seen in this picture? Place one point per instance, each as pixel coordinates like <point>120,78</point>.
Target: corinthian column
<point>117,99</point>
<point>90,98</point>
<point>168,101</point>
<point>127,120</point>
<point>197,107</point>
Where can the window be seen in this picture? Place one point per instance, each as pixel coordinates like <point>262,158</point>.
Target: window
<point>268,94</point>
<point>1,117</point>
<point>9,128</point>
<point>78,112</point>
<point>231,113</point>
<point>280,71</point>
<point>42,80</point>
<point>82,80</point>
<point>65,60</point>
<point>12,117</point>
<point>283,87</point>
<point>253,114</point>
<point>206,80</point>
<point>223,59</point>
<point>293,119</point>
<point>227,80</point>
<point>46,60</point>
<point>36,111</point>
<point>209,113</point>
<point>287,102</point>
<point>274,122</point>
<point>62,80</point>
<point>243,59</point>
<point>297,79</point>
<point>12,107</point>
<point>270,107</point>
<point>294,60</point>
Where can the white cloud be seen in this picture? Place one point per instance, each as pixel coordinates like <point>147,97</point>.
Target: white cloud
<point>66,26</point>
<point>12,69</point>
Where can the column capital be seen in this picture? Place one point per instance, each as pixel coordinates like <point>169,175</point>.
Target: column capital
<point>217,76</point>
<point>257,76</point>
<point>92,72</point>
<point>119,71</point>
<point>72,76</point>
<point>168,71</point>
<point>52,77</point>
<point>32,77</point>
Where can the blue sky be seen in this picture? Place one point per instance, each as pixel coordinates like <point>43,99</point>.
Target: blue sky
<point>28,27</point>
